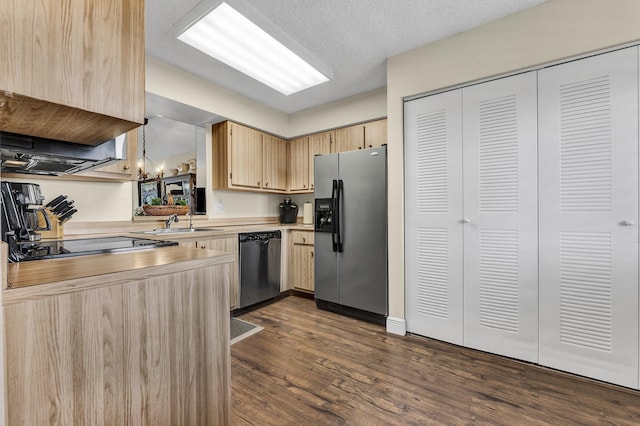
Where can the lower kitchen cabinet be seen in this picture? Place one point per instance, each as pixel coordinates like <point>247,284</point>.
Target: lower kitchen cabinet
<point>228,243</point>
<point>301,262</point>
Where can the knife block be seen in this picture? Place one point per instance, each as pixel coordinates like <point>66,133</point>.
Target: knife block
<point>57,229</point>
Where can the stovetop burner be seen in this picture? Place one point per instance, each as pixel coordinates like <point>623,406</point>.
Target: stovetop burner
<point>67,248</point>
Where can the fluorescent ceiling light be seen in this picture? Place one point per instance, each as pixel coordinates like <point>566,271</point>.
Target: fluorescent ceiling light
<point>230,37</point>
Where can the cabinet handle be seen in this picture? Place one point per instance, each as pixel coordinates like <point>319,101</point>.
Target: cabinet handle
<point>258,183</point>
<point>304,185</point>
<point>266,184</point>
<point>304,240</point>
<point>465,220</point>
<point>359,147</point>
<point>311,186</point>
<point>627,223</point>
<point>311,254</point>
<point>126,167</point>
<point>370,146</point>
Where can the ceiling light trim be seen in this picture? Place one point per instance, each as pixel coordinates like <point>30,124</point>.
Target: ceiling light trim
<point>248,12</point>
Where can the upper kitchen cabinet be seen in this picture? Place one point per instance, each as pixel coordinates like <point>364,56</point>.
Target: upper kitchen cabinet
<point>375,133</point>
<point>247,159</point>
<point>367,135</point>
<point>274,163</point>
<point>72,70</point>
<point>348,138</point>
<point>301,156</point>
<point>299,165</point>
<point>319,144</point>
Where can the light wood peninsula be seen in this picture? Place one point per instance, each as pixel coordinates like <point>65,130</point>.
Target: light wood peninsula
<point>130,338</point>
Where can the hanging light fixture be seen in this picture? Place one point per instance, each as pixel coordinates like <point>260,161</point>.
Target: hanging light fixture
<point>142,161</point>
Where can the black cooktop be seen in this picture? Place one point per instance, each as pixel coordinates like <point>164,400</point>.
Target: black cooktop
<point>86,246</point>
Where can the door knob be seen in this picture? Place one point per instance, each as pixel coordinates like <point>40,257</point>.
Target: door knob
<point>627,223</point>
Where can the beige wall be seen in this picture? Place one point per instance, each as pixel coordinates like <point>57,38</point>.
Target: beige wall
<point>170,82</point>
<point>554,30</point>
<point>363,107</point>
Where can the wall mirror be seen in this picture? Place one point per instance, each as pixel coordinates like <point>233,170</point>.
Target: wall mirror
<point>172,152</point>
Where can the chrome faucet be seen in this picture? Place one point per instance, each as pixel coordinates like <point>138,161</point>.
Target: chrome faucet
<point>170,220</point>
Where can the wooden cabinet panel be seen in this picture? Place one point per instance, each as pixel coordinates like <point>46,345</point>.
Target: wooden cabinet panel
<point>230,245</point>
<point>298,164</point>
<point>246,156</point>
<point>78,67</point>
<point>145,352</point>
<point>319,144</point>
<point>375,133</point>
<point>248,159</point>
<point>301,270</point>
<point>274,163</point>
<point>348,139</point>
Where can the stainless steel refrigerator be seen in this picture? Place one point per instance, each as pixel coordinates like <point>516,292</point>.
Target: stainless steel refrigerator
<point>351,233</point>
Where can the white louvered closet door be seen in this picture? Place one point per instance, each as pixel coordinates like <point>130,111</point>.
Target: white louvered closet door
<point>433,208</point>
<point>588,174</point>
<point>500,209</point>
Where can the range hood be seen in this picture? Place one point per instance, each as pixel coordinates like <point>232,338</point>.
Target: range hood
<point>33,155</point>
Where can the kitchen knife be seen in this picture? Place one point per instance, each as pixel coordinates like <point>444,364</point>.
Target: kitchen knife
<point>66,216</point>
<point>56,201</point>
<point>62,207</point>
<point>65,210</point>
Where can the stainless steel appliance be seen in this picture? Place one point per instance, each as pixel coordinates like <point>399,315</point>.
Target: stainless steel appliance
<point>33,155</point>
<point>22,212</point>
<point>351,233</point>
<point>259,267</point>
<point>80,247</point>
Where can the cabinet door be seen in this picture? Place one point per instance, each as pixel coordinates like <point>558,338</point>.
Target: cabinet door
<point>299,164</point>
<point>375,133</point>
<point>433,206</point>
<point>230,245</point>
<point>274,163</point>
<point>588,172</point>
<point>348,139</point>
<point>302,266</point>
<point>78,66</point>
<point>246,156</point>
<point>500,205</point>
<point>319,144</point>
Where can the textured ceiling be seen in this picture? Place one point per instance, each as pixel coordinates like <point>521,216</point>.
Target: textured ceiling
<point>352,37</point>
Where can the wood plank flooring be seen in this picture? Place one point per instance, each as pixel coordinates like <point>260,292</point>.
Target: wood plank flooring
<point>311,367</point>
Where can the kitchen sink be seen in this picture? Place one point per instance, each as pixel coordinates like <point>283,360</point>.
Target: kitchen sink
<point>165,231</point>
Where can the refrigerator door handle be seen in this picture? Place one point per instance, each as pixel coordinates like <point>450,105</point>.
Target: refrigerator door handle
<point>334,219</point>
<point>338,225</point>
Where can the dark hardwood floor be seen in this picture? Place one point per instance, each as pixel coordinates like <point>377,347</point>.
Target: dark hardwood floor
<point>311,367</point>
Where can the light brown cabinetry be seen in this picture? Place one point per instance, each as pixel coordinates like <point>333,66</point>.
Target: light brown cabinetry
<point>229,244</point>
<point>299,165</point>
<point>274,163</point>
<point>247,159</point>
<point>367,135</point>
<point>301,159</point>
<point>319,144</point>
<point>72,70</point>
<point>147,351</point>
<point>301,269</point>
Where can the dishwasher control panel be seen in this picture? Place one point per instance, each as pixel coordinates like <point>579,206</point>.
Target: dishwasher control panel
<point>259,236</point>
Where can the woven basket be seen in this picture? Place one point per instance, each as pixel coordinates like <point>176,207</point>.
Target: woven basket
<point>165,210</point>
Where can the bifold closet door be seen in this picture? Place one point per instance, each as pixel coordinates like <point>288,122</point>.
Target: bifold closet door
<point>588,174</point>
<point>433,210</point>
<point>500,215</point>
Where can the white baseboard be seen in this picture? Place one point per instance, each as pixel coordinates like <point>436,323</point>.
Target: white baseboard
<point>396,326</point>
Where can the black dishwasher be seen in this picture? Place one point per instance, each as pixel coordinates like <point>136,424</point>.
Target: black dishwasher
<point>259,267</point>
